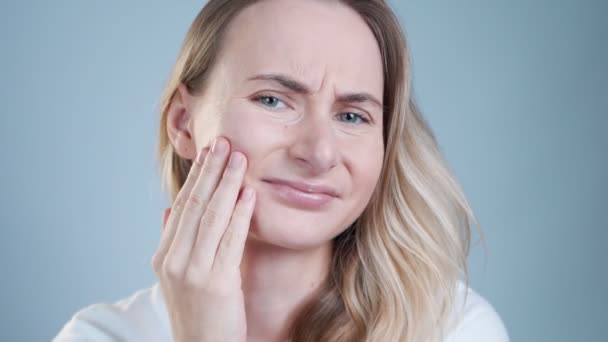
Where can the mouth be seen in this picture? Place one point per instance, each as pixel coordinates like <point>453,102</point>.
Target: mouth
<point>301,194</point>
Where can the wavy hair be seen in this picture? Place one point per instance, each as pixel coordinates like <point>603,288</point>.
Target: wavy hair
<point>394,272</point>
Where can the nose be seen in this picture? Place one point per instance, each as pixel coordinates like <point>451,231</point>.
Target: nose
<point>315,147</point>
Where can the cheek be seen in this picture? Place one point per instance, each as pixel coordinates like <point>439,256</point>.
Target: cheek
<point>241,129</point>
<point>249,133</point>
<point>366,171</point>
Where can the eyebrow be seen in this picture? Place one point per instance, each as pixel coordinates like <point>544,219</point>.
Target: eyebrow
<point>299,87</point>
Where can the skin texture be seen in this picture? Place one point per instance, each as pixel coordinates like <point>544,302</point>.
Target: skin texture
<point>319,135</point>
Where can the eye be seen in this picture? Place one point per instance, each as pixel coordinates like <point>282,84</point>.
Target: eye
<point>270,102</point>
<point>353,118</point>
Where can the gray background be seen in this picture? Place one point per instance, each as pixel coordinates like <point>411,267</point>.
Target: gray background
<point>515,91</point>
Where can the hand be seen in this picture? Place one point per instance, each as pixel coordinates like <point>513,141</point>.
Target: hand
<point>199,256</point>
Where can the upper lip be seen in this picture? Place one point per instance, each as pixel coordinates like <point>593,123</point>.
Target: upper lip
<point>306,187</point>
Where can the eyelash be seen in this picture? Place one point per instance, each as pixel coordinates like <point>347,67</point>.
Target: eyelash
<point>359,116</point>
<point>261,97</point>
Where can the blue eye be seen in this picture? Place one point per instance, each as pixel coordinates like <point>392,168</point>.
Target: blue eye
<point>271,102</point>
<point>353,118</point>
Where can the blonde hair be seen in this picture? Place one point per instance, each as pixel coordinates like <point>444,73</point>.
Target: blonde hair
<point>394,272</point>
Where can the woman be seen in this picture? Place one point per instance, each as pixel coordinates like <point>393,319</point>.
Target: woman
<point>310,200</point>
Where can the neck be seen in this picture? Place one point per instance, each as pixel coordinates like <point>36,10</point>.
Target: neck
<point>277,284</point>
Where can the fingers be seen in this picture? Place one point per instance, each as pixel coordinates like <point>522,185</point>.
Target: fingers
<point>166,213</point>
<point>230,251</point>
<point>217,216</point>
<point>173,218</point>
<point>196,205</point>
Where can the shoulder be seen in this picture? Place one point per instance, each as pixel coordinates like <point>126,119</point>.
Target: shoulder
<point>474,319</point>
<point>139,317</point>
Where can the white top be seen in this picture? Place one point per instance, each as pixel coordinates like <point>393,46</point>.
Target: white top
<point>143,317</point>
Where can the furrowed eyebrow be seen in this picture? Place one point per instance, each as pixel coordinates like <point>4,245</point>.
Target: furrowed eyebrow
<point>283,80</point>
<point>299,87</point>
<point>359,98</point>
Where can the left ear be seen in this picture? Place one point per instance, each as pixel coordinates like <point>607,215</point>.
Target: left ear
<point>179,125</point>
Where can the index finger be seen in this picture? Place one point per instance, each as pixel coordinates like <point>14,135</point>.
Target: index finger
<point>177,208</point>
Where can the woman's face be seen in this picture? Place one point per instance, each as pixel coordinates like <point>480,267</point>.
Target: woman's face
<point>298,89</point>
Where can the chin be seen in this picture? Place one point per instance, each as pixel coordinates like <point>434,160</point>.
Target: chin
<point>293,228</point>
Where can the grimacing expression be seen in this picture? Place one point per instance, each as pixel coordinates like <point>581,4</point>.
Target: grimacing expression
<point>298,88</point>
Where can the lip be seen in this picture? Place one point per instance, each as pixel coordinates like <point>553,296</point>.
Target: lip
<point>302,194</point>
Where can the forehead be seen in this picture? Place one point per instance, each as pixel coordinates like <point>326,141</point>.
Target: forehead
<point>309,39</point>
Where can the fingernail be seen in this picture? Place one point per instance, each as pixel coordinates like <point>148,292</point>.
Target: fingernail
<point>220,146</point>
<point>236,160</point>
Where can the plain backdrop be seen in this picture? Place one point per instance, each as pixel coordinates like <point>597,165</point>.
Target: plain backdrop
<point>516,92</point>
